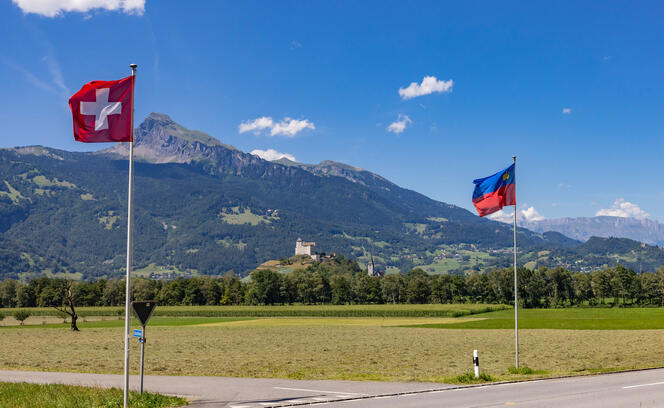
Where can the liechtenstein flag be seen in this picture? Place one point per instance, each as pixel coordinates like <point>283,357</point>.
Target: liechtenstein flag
<point>495,192</point>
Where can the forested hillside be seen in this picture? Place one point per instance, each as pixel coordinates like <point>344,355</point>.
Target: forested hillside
<point>202,207</point>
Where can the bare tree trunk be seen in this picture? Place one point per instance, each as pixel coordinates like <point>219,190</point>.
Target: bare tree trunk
<point>69,303</point>
<point>74,318</point>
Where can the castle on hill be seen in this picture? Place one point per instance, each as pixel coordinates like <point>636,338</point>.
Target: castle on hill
<point>306,248</point>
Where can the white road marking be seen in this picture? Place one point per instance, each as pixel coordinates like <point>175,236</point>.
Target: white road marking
<point>326,392</point>
<point>643,385</point>
<point>320,399</point>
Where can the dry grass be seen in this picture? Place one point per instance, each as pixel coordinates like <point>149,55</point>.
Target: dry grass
<point>359,349</point>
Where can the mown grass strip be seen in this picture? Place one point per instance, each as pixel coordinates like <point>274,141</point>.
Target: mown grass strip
<point>565,319</point>
<point>429,310</point>
<point>24,395</point>
<point>155,321</point>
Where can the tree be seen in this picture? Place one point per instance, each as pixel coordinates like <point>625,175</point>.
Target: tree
<point>21,315</point>
<point>560,286</point>
<point>418,287</point>
<point>501,282</point>
<point>532,287</point>
<point>340,287</point>
<point>8,293</point>
<point>581,283</point>
<point>234,290</point>
<point>114,293</point>
<point>67,305</point>
<point>393,288</point>
<point>477,286</point>
<point>265,286</point>
<point>287,289</point>
<point>601,284</point>
<point>650,288</point>
<point>144,289</point>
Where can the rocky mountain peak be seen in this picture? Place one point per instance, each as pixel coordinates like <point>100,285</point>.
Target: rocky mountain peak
<point>159,139</point>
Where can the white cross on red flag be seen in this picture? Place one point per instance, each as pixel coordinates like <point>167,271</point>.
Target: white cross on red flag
<point>102,111</point>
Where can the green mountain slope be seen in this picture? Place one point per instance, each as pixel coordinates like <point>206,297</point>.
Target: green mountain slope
<point>202,207</point>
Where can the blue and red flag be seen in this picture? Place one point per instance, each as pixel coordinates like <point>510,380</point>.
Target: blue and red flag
<point>495,192</point>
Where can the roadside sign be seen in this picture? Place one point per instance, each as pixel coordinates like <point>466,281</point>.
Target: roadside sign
<point>143,310</point>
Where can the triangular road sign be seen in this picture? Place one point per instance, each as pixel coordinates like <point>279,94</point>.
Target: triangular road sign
<point>143,310</point>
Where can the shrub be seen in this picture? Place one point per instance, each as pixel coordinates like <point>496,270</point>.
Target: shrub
<point>469,378</point>
<point>524,370</point>
<point>21,315</point>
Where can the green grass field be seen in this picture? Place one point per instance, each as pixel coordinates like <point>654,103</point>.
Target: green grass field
<point>434,310</point>
<point>96,322</point>
<point>386,348</point>
<point>22,395</point>
<point>567,319</point>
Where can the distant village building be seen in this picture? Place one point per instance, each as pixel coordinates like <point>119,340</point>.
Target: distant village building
<point>306,248</point>
<point>371,269</point>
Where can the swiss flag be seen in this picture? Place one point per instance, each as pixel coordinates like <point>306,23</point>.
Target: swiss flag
<point>102,111</point>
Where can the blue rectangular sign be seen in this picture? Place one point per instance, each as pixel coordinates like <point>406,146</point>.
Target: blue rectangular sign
<point>138,333</point>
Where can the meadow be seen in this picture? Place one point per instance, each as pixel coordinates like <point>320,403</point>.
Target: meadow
<point>386,310</point>
<point>22,395</point>
<point>386,348</point>
<point>566,319</point>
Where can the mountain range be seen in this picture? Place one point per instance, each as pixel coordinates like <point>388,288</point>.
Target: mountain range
<point>203,207</point>
<point>582,228</point>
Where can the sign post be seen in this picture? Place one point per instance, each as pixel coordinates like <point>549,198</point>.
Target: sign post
<point>143,310</point>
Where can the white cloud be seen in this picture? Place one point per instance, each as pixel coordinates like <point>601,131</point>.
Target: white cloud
<point>502,216</point>
<point>290,127</point>
<point>429,85</point>
<point>272,155</point>
<point>287,127</point>
<point>53,8</point>
<point>623,208</point>
<point>256,125</point>
<point>530,214</point>
<point>400,125</point>
<point>567,111</point>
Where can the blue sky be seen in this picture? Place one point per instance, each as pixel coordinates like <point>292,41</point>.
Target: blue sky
<point>574,89</point>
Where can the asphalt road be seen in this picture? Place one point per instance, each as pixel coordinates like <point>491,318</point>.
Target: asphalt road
<point>634,389</point>
<point>229,392</point>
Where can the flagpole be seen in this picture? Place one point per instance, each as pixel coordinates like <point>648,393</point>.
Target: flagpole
<point>516,287</point>
<point>130,216</point>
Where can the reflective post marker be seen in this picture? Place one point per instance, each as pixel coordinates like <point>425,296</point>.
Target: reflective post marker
<point>476,364</point>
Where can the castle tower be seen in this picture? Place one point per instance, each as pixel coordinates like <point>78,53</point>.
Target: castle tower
<point>306,248</point>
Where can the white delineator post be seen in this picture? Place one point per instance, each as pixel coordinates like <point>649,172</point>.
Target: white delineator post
<point>476,364</point>
<point>516,286</point>
<point>130,216</point>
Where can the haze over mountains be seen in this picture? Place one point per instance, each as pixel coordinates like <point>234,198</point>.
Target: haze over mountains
<point>582,228</point>
<point>203,207</point>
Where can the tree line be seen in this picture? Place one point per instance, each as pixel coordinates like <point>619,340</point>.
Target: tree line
<point>342,281</point>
